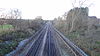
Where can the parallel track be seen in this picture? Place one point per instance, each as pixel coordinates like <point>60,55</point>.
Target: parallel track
<point>34,50</point>
<point>50,42</point>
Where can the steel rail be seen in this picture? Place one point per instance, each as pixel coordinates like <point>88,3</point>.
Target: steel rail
<point>37,45</point>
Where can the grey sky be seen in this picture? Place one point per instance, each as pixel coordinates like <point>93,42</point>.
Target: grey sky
<point>46,8</point>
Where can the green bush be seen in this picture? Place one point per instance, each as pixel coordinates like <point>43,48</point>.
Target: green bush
<point>7,47</point>
<point>13,37</point>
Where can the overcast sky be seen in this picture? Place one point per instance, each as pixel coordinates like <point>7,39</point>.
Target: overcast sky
<point>48,9</point>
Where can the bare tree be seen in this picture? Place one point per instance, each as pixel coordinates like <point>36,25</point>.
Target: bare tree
<point>15,14</point>
<point>15,17</point>
<point>81,3</point>
<point>10,14</point>
<point>74,17</point>
<point>77,19</point>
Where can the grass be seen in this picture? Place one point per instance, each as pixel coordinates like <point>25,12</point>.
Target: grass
<point>10,39</point>
<point>6,26</point>
<point>91,45</point>
<point>97,42</point>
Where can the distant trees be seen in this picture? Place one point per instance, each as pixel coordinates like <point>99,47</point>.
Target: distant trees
<point>13,17</point>
<point>15,14</point>
<point>37,23</point>
<point>75,20</point>
<point>60,23</point>
<point>10,14</point>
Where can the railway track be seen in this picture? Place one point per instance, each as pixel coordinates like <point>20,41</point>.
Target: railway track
<point>50,48</point>
<point>50,42</point>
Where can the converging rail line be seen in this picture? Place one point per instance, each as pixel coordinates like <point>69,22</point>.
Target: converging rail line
<point>50,42</point>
